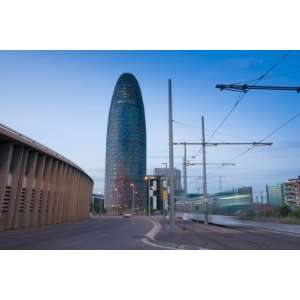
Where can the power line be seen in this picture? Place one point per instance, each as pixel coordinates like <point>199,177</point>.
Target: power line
<point>275,65</point>
<point>237,102</point>
<point>274,131</point>
<point>241,96</point>
<point>280,127</point>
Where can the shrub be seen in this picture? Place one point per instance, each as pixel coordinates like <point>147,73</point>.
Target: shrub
<point>250,213</point>
<point>296,213</point>
<point>284,210</point>
<point>271,212</point>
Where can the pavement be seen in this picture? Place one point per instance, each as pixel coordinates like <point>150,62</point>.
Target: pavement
<point>97,233</point>
<point>194,235</point>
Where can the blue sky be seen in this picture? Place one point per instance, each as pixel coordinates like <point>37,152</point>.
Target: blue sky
<point>62,98</point>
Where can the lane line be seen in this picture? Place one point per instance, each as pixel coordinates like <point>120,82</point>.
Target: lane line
<point>150,239</point>
<point>146,241</point>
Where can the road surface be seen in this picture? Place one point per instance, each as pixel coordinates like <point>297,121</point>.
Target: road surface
<point>117,233</point>
<point>98,233</point>
<point>234,237</point>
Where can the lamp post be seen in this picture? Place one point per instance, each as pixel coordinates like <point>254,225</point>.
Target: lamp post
<point>116,197</point>
<point>137,208</point>
<point>133,202</point>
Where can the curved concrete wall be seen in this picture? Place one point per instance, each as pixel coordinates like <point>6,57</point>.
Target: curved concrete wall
<point>39,186</point>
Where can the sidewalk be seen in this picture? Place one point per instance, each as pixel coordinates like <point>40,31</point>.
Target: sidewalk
<point>193,235</point>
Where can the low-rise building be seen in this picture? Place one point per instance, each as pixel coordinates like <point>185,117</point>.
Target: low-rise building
<point>292,192</point>
<point>177,178</point>
<point>157,192</point>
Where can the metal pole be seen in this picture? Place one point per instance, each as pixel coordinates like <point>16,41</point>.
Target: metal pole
<point>149,206</point>
<point>220,182</point>
<point>133,202</point>
<point>184,182</point>
<point>133,198</point>
<point>117,206</point>
<point>204,174</point>
<point>171,159</point>
<point>116,196</point>
<point>184,173</point>
<point>93,206</point>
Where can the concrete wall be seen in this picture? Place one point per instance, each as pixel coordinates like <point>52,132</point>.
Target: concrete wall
<point>38,187</point>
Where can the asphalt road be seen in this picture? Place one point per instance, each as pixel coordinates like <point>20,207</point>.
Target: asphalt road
<point>215,237</point>
<point>102,233</point>
<point>117,233</point>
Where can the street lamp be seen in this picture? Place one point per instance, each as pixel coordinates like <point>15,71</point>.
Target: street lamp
<point>133,201</point>
<point>116,198</point>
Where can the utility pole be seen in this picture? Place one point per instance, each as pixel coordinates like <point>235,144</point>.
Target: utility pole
<point>133,200</point>
<point>184,186</point>
<point>220,183</point>
<point>171,159</point>
<point>184,170</point>
<point>204,144</point>
<point>204,173</point>
<point>148,181</point>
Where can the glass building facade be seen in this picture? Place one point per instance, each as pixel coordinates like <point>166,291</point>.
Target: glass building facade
<point>125,165</point>
<point>275,194</point>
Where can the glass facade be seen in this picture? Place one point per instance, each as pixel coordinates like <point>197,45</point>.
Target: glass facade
<point>275,194</point>
<point>125,165</point>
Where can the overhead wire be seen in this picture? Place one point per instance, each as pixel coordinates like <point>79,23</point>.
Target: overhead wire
<point>242,96</point>
<point>274,131</point>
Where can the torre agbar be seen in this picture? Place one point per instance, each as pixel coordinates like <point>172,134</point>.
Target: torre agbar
<point>125,147</point>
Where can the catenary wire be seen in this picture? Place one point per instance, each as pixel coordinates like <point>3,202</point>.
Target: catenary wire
<point>274,131</point>
<point>242,96</point>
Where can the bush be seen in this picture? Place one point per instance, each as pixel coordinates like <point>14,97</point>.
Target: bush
<point>250,213</point>
<point>296,213</point>
<point>271,212</point>
<point>284,210</point>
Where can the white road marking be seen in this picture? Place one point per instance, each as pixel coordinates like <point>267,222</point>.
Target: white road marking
<point>144,240</point>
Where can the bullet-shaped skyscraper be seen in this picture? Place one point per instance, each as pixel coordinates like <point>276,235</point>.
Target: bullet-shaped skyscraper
<point>125,165</point>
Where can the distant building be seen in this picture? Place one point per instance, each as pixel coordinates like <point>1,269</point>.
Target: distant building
<point>177,177</point>
<point>259,197</point>
<point>292,192</point>
<point>97,203</point>
<point>157,192</point>
<point>275,194</point>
